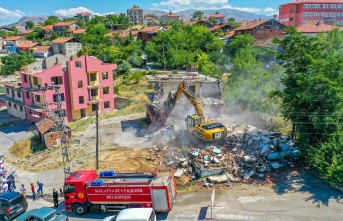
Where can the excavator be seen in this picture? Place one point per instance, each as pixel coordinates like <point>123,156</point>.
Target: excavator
<point>196,125</point>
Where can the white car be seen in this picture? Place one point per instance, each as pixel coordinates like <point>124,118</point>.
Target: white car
<point>134,214</point>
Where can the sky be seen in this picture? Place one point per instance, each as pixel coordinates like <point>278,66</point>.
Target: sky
<point>12,10</point>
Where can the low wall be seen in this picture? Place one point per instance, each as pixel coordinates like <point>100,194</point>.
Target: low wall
<point>121,102</point>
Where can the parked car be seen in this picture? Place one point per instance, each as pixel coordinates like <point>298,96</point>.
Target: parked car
<point>42,214</point>
<point>12,204</point>
<point>134,214</point>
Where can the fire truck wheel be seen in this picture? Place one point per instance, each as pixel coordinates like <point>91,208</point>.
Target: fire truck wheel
<point>79,209</point>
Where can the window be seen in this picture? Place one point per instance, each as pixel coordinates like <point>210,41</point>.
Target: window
<point>7,91</point>
<point>316,14</point>
<point>40,114</point>
<point>94,92</point>
<point>338,14</point>
<point>25,78</point>
<point>304,14</point>
<point>78,64</point>
<point>37,98</point>
<point>332,6</point>
<point>15,106</point>
<point>27,94</point>
<point>61,113</point>
<point>340,6</point>
<point>30,111</point>
<point>9,104</point>
<point>35,81</point>
<point>94,107</point>
<point>325,6</point>
<point>331,14</point>
<point>104,75</point>
<point>21,108</point>
<point>307,6</point>
<point>57,80</point>
<point>105,90</point>
<point>93,77</point>
<point>312,14</point>
<point>81,100</point>
<point>55,97</point>
<point>106,104</point>
<point>323,14</point>
<point>18,94</point>
<point>80,84</point>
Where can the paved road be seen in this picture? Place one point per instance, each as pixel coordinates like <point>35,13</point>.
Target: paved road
<point>295,197</point>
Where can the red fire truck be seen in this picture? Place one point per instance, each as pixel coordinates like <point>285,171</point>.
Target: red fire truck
<point>86,191</point>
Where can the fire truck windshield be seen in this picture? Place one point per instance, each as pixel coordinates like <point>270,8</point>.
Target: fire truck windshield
<point>69,188</point>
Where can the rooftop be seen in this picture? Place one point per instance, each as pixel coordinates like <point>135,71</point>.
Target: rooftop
<point>64,23</point>
<point>191,76</point>
<point>13,38</point>
<point>26,32</point>
<point>42,49</point>
<point>45,124</point>
<point>79,31</point>
<point>150,18</point>
<point>217,15</point>
<point>27,44</point>
<point>47,28</point>
<point>135,8</point>
<point>230,35</point>
<point>313,1</point>
<point>250,25</point>
<point>62,39</point>
<point>316,28</point>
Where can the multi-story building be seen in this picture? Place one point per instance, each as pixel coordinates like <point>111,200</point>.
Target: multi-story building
<point>66,46</point>
<point>47,31</point>
<point>219,17</point>
<point>14,100</point>
<point>62,28</point>
<point>170,17</point>
<point>85,84</point>
<point>11,43</point>
<point>84,16</point>
<point>261,29</point>
<point>301,12</point>
<point>135,15</point>
<point>91,86</point>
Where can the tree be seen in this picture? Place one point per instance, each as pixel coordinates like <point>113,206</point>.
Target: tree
<point>52,20</point>
<point>29,25</point>
<point>312,98</point>
<point>15,30</point>
<point>151,15</point>
<point>198,15</point>
<point>14,62</point>
<point>212,21</point>
<point>231,21</point>
<point>239,42</point>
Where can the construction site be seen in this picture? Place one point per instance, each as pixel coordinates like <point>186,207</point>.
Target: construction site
<point>184,128</point>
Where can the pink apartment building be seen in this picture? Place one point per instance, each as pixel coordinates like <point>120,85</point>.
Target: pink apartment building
<point>85,84</point>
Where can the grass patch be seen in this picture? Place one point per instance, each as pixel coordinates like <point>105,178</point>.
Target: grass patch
<point>24,148</point>
<point>2,89</point>
<point>188,188</point>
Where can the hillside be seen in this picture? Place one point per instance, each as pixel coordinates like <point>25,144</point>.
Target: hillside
<point>20,24</point>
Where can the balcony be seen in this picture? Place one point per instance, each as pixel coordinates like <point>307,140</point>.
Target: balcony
<point>94,99</point>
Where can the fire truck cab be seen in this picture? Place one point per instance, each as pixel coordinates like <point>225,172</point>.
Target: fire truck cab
<point>86,191</point>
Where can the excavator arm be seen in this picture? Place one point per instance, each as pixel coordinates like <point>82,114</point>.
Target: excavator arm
<point>183,88</point>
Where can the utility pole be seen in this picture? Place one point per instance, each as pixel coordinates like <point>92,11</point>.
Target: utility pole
<point>97,139</point>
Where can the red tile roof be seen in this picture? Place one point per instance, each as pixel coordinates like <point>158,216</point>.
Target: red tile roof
<point>214,28</point>
<point>172,15</point>
<point>79,31</point>
<point>62,40</point>
<point>45,124</point>
<point>217,15</point>
<point>250,25</point>
<point>314,1</point>
<point>13,38</point>
<point>27,44</point>
<point>151,29</point>
<point>316,28</point>
<point>48,27</point>
<point>135,8</point>
<point>42,49</point>
<point>84,14</point>
<point>230,35</point>
<point>67,23</point>
<point>26,32</point>
<point>150,18</point>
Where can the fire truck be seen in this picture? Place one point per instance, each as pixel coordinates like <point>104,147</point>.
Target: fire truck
<point>86,191</point>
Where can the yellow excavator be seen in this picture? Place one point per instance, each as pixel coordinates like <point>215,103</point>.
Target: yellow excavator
<point>196,124</point>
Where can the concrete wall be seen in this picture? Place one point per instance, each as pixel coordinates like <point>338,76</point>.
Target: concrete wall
<point>49,62</point>
<point>121,102</point>
<point>13,93</point>
<point>52,138</point>
<point>16,110</point>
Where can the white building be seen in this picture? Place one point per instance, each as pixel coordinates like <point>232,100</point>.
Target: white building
<point>14,100</point>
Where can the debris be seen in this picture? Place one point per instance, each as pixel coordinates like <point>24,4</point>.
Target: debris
<point>179,173</point>
<point>218,179</point>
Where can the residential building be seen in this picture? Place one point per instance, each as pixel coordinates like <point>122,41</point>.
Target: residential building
<point>62,28</point>
<point>11,43</point>
<point>84,16</point>
<point>47,31</point>
<point>79,31</point>
<point>261,29</point>
<point>219,17</point>
<point>200,22</point>
<point>42,52</point>
<point>14,99</point>
<point>91,86</point>
<point>123,34</point>
<point>301,12</point>
<point>170,17</point>
<point>224,28</point>
<point>312,30</point>
<point>66,46</point>
<point>26,32</point>
<point>135,15</point>
<point>27,46</point>
<point>147,34</point>
<point>150,21</point>
<point>85,83</point>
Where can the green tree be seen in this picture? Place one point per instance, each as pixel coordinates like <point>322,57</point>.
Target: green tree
<point>231,21</point>
<point>212,21</point>
<point>313,97</point>
<point>239,42</point>
<point>51,20</point>
<point>198,15</point>
<point>29,25</point>
<point>14,62</point>
<point>15,30</point>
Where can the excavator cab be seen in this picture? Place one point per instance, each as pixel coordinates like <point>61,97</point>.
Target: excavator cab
<point>192,121</point>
